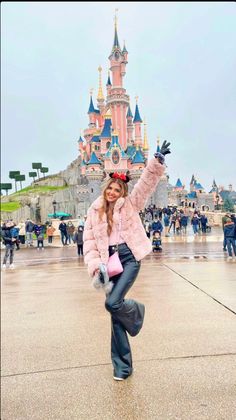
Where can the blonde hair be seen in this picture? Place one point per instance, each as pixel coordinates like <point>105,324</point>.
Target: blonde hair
<point>108,208</point>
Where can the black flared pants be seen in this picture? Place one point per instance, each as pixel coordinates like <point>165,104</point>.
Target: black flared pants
<point>126,314</point>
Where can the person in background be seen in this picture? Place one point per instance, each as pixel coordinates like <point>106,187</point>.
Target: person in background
<point>78,239</point>
<point>204,221</point>
<point>183,222</point>
<point>224,218</point>
<point>49,232</point>
<point>39,232</point>
<point>80,220</point>
<point>29,230</point>
<point>230,236</point>
<point>15,234</point>
<point>63,229</point>
<point>172,222</point>
<point>9,240</point>
<point>21,227</point>
<point>157,225</point>
<point>70,228</point>
<point>166,223</point>
<point>195,223</point>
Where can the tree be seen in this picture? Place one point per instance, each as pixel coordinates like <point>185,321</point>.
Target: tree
<point>43,170</point>
<point>20,178</point>
<point>12,175</point>
<point>37,165</point>
<point>228,205</point>
<point>6,187</point>
<point>32,175</point>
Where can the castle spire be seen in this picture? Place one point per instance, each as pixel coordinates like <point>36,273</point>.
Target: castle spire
<point>116,41</point>
<point>137,117</point>
<point>158,144</point>
<point>145,139</point>
<point>91,106</point>
<point>100,96</point>
<point>108,79</point>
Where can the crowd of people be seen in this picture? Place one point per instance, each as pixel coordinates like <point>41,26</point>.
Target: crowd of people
<point>156,221</point>
<point>170,220</point>
<point>13,236</point>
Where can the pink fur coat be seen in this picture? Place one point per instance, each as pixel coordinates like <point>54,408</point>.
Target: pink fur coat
<point>95,230</point>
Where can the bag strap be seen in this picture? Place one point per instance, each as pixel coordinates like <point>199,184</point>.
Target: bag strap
<point>119,230</point>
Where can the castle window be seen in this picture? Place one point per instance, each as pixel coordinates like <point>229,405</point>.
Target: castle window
<point>108,144</point>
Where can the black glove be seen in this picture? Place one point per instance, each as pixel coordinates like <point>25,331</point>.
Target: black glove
<point>165,148</point>
<point>163,151</point>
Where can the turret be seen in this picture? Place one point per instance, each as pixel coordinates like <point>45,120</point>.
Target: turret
<point>92,112</point>
<point>108,85</point>
<point>100,97</point>
<point>130,126</point>
<point>145,141</point>
<point>137,125</point>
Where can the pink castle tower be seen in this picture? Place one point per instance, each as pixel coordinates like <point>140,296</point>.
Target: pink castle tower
<point>113,139</point>
<point>117,99</point>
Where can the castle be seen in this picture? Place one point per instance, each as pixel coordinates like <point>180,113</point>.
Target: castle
<point>113,141</point>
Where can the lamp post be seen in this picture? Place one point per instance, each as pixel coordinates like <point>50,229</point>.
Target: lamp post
<point>54,203</point>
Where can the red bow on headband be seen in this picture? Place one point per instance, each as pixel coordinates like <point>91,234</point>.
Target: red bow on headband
<point>116,175</point>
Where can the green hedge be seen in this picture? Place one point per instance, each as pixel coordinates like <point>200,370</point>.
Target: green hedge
<point>10,206</point>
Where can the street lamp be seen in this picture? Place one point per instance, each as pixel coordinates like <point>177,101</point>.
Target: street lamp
<point>54,203</point>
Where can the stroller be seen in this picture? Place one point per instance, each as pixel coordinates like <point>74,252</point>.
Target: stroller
<point>156,241</point>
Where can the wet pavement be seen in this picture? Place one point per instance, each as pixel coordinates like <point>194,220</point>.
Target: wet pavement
<point>56,337</point>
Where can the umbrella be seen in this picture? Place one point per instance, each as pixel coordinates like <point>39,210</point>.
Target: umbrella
<point>59,214</point>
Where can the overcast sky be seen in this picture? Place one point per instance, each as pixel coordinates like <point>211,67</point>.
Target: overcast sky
<point>181,65</point>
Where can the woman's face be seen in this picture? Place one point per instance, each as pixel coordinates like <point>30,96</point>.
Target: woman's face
<point>113,192</point>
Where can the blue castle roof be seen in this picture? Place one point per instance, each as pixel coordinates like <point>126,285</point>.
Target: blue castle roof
<point>137,117</point>
<point>179,183</point>
<point>95,139</point>
<point>130,151</point>
<point>91,107</point>
<point>116,41</point>
<point>138,157</point>
<point>94,160</point>
<point>115,144</point>
<point>124,49</point>
<point>106,132</point>
<point>80,140</point>
<point>192,194</point>
<point>129,113</point>
<point>198,186</point>
<point>108,81</point>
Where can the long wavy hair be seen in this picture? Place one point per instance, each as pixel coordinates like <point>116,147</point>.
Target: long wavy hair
<point>107,207</point>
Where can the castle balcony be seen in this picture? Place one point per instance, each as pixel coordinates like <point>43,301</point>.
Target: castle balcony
<point>117,99</point>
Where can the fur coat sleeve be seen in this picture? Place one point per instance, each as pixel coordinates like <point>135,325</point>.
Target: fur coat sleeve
<point>146,184</point>
<point>90,250</point>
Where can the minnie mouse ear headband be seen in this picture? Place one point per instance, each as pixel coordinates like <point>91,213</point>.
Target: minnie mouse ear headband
<point>123,177</point>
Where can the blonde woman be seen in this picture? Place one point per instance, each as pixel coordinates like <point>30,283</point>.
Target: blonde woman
<point>114,218</point>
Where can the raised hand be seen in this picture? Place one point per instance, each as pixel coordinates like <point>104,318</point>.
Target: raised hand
<point>163,151</point>
<point>165,148</point>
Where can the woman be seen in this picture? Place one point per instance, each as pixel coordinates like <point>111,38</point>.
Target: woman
<point>114,218</point>
<point>50,232</point>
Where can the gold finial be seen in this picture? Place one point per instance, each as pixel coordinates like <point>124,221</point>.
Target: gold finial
<point>108,114</point>
<point>115,18</point>
<point>100,93</point>
<point>115,133</point>
<point>91,91</point>
<point>136,98</point>
<point>145,139</point>
<point>158,140</point>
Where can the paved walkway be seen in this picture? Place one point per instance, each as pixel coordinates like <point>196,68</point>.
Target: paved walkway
<point>56,338</point>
